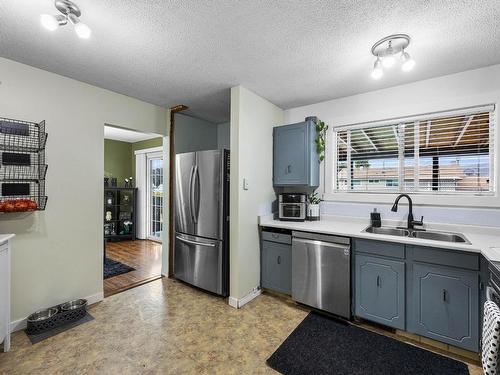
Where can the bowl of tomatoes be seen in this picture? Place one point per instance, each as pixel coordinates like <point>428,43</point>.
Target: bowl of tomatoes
<point>18,205</point>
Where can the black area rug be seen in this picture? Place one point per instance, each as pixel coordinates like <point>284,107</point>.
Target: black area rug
<point>321,345</point>
<point>115,268</point>
<point>45,335</point>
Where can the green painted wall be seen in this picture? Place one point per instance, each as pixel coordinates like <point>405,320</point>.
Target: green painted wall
<point>119,157</point>
<point>150,143</point>
<point>118,160</point>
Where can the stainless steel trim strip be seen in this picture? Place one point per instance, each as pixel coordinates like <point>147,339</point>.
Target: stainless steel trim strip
<point>195,242</point>
<point>322,237</point>
<point>333,245</point>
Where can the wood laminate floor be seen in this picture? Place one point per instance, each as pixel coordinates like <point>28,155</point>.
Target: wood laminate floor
<point>143,255</point>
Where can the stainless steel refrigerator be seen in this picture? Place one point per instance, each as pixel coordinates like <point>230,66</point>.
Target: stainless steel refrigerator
<point>201,250</point>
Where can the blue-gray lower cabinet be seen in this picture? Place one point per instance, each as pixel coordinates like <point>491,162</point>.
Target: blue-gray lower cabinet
<point>445,305</point>
<point>380,290</point>
<point>276,266</point>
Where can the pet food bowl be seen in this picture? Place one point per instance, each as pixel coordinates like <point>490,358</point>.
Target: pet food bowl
<point>74,304</point>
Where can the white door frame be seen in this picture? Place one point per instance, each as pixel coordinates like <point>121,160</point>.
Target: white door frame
<point>149,157</point>
<point>141,174</point>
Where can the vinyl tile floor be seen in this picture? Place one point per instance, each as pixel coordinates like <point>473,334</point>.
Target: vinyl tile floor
<point>163,327</point>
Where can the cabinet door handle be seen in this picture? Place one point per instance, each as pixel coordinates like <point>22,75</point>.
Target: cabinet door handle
<point>444,295</point>
<point>279,259</point>
<point>378,281</point>
<point>275,235</point>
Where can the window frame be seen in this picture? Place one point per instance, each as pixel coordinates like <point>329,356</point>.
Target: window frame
<point>476,199</point>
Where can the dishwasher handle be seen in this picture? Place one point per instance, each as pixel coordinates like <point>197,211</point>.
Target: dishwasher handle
<point>333,245</point>
<point>322,237</point>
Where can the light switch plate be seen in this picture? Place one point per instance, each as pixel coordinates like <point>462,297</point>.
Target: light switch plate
<point>245,184</point>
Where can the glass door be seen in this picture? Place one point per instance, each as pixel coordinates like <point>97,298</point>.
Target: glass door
<point>155,196</point>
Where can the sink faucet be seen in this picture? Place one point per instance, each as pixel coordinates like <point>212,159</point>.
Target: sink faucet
<point>411,222</point>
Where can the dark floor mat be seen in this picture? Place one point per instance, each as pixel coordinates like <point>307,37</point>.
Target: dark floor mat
<point>321,345</point>
<point>45,335</point>
<point>115,268</point>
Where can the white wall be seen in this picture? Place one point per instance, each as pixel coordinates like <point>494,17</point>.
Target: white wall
<point>470,88</point>
<point>193,134</point>
<point>224,135</point>
<point>57,253</point>
<point>252,122</point>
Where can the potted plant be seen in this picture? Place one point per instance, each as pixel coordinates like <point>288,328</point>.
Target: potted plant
<point>313,207</point>
<point>320,140</point>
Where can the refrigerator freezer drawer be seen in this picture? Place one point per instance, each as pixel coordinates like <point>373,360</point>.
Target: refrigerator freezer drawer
<point>198,261</point>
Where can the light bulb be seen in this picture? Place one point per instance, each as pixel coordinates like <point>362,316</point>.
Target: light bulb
<point>49,22</point>
<point>82,30</point>
<point>408,62</point>
<point>377,71</point>
<point>388,61</point>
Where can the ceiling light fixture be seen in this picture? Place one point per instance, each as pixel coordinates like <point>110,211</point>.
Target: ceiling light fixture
<point>386,49</point>
<point>377,71</point>
<point>69,12</point>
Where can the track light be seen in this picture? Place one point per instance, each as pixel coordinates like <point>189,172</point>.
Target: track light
<point>408,62</point>
<point>377,71</point>
<point>69,11</point>
<point>386,49</point>
<point>81,29</point>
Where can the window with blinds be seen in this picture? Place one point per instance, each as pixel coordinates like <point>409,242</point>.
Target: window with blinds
<point>449,153</point>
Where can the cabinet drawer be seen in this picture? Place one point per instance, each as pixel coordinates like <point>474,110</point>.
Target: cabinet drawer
<point>445,257</point>
<point>389,249</point>
<point>277,237</point>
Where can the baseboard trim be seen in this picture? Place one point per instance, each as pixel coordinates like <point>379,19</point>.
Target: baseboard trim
<point>21,324</point>
<point>239,303</point>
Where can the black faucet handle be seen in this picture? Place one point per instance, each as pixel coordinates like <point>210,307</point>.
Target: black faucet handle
<point>420,222</point>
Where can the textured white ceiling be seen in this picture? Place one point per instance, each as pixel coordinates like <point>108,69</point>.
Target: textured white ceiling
<point>125,135</point>
<point>292,52</point>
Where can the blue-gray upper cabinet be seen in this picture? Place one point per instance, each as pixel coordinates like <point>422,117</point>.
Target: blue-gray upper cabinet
<point>380,290</point>
<point>295,160</point>
<point>445,305</point>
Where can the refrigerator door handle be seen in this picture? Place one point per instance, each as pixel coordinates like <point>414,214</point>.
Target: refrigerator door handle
<point>191,242</point>
<point>196,194</point>
<point>191,194</point>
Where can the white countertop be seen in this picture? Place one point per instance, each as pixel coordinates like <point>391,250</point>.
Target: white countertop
<point>484,240</point>
<point>6,237</point>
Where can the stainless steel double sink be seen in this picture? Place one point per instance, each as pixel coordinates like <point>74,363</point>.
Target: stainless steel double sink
<point>419,233</point>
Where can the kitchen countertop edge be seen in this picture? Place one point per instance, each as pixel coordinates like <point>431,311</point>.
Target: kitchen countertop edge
<point>481,239</point>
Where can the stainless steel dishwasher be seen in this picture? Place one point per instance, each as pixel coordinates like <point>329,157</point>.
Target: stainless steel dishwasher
<point>321,272</point>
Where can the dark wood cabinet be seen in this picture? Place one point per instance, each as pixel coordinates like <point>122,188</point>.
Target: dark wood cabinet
<point>120,205</point>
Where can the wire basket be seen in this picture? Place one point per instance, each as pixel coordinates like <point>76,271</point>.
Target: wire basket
<point>22,135</point>
<point>22,196</point>
<point>22,165</point>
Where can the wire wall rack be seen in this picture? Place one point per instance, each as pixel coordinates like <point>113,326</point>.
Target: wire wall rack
<point>22,165</point>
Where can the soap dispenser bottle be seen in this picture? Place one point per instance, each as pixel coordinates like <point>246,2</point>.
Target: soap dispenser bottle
<point>375,220</point>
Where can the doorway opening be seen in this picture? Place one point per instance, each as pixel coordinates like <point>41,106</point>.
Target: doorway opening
<point>133,208</point>
<point>199,201</point>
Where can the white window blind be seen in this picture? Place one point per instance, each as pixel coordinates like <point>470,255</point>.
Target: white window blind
<point>448,153</point>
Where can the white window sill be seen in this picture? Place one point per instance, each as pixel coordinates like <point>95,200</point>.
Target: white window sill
<point>492,201</point>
